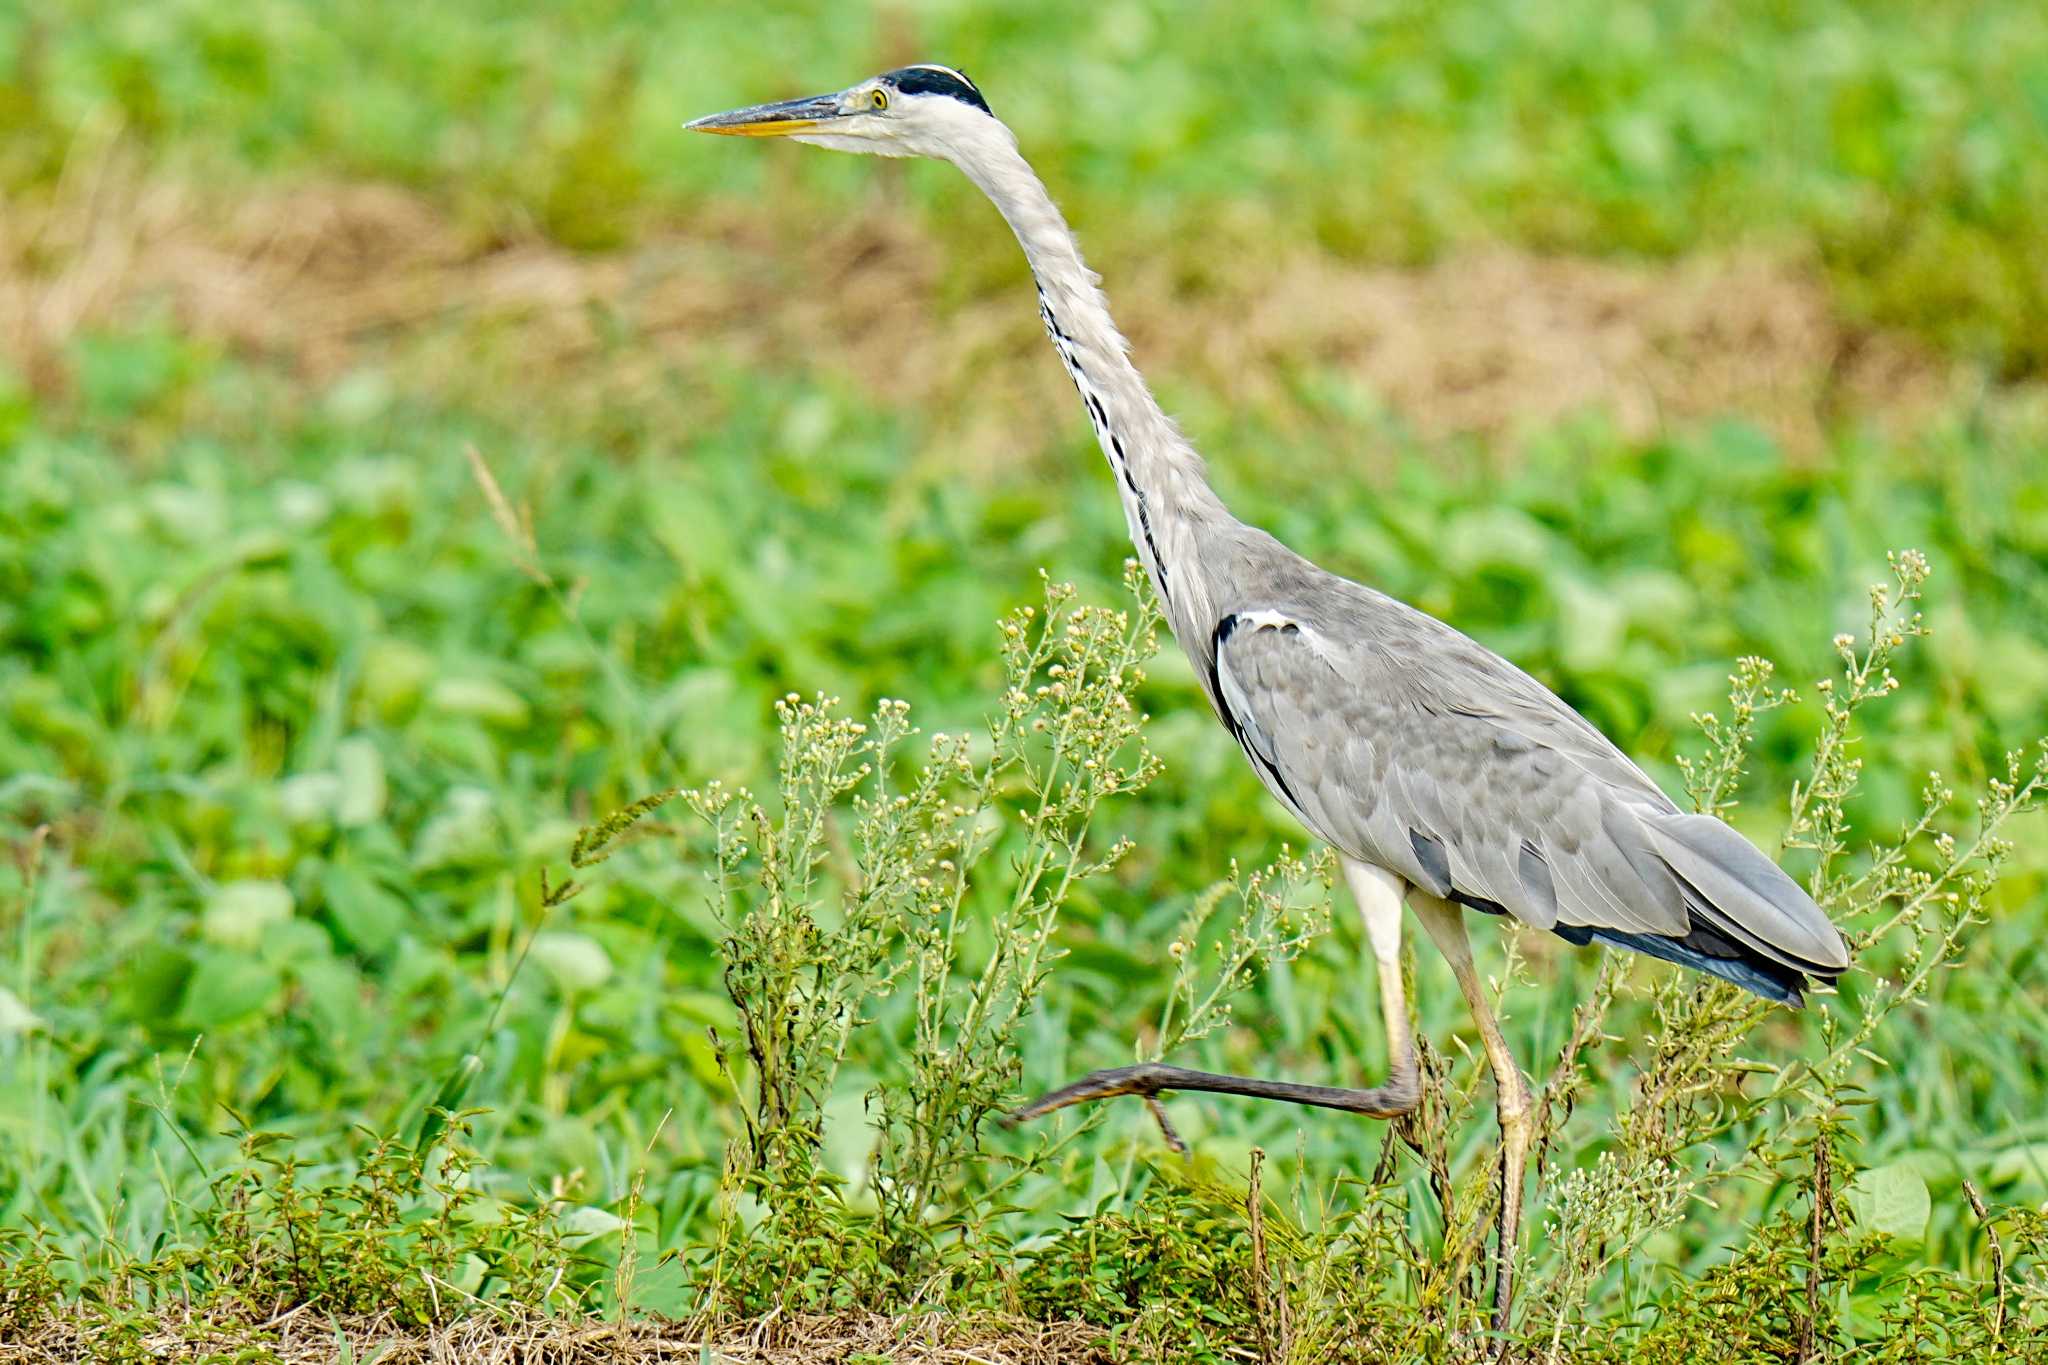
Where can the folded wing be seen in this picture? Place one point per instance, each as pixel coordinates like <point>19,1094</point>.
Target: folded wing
<point>1410,746</point>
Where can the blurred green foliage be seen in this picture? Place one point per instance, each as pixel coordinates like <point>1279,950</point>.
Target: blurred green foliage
<point>305,733</point>
<point>1905,145</point>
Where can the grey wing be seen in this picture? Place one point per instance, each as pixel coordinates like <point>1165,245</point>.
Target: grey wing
<point>1407,745</point>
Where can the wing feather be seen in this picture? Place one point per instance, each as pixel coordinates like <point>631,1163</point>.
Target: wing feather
<point>1414,748</point>
<point>1439,787</point>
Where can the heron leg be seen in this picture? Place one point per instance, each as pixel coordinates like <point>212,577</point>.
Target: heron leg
<point>1445,925</point>
<point>1378,894</point>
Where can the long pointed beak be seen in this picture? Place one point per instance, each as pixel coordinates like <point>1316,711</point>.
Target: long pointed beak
<point>770,120</point>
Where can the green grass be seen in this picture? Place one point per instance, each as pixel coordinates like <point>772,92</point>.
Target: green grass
<point>1899,143</point>
<point>305,732</point>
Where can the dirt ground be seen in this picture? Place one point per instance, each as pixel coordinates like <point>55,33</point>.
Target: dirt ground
<point>325,277</point>
<point>302,1338</point>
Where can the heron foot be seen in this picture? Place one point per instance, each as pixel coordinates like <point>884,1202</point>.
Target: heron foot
<point>1151,1079</point>
<point>1146,1078</point>
<point>1516,1127</point>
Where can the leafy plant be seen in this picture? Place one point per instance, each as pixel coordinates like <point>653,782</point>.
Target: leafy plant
<point>400,1234</point>
<point>1703,1112</point>
<point>871,869</point>
<point>295,706</point>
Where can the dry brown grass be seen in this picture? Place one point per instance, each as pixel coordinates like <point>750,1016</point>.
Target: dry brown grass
<point>322,277</point>
<point>303,1337</point>
<point>1498,340</point>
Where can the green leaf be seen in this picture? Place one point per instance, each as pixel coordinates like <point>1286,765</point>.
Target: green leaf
<point>226,988</point>
<point>481,699</point>
<point>1892,1200</point>
<point>2028,1161</point>
<point>154,983</point>
<point>1497,537</point>
<point>238,912</point>
<point>577,962</point>
<point>469,1273</point>
<point>333,992</point>
<point>664,1287</point>
<point>2013,676</point>
<point>366,914</point>
<point>702,1059</point>
<point>292,942</point>
<point>359,772</point>
<point>448,1098</point>
<point>395,674</point>
<point>16,1018</point>
<point>308,798</point>
<point>464,830</point>
<point>703,1007</point>
<point>1593,621</point>
<point>580,1225</point>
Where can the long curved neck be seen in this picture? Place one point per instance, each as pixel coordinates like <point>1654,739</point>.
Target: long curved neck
<point>1160,478</point>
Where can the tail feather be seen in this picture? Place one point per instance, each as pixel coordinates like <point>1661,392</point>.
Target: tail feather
<point>1748,898</point>
<point>1754,974</point>
<point>1746,921</point>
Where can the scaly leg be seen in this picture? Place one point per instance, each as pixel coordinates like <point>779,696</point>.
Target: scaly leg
<point>1445,924</point>
<point>1378,894</point>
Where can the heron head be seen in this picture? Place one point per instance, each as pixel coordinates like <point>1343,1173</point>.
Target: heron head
<point>916,111</point>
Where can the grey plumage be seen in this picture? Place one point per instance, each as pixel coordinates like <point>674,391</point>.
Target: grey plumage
<point>1445,776</point>
<point>1409,746</point>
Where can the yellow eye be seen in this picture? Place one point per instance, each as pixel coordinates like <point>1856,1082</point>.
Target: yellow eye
<point>880,99</point>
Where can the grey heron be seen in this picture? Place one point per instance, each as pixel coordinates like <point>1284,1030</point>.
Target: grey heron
<point>1444,776</point>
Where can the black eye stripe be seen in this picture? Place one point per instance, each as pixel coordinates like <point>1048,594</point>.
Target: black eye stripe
<point>937,80</point>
